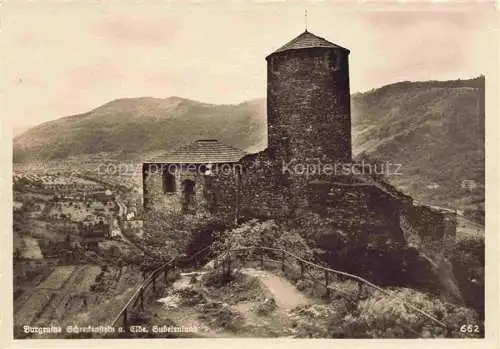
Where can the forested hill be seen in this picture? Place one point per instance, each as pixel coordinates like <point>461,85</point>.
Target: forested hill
<point>434,129</point>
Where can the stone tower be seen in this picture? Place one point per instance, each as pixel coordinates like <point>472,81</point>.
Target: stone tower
<point>308,101</point>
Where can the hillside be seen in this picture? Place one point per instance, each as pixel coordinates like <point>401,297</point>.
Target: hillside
<point>137,126</point>
<point>435,130</point>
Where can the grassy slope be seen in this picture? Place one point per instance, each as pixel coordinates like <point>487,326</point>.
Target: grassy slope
<point>435,131</point>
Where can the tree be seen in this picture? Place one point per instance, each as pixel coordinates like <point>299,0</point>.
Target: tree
<point>259,237</point>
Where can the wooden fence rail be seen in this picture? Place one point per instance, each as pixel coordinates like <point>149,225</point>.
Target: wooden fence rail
<point>224,259</point>
<point>150,285</point>
<point>329,271</point>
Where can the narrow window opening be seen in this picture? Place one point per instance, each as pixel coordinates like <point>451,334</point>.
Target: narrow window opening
<point>188,196</point>
<point>168,182</point>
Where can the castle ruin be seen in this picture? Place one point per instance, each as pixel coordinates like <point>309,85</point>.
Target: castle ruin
<point>309,123</point>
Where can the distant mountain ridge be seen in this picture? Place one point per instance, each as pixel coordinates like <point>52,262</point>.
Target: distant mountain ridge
<point>137,126</point>
<point>434,129</point>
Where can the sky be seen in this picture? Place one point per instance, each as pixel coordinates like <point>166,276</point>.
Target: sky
<point>68,57</point>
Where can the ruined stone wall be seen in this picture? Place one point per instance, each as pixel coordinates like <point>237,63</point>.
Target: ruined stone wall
<point>264,190</point>
<point>222,193</point>
<point>156,198</point>
<point>348,206</point>
<point>426,227</point>
<point>214,195</point>
<point>359,208</point>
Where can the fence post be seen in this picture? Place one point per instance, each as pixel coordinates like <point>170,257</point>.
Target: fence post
<point>449,332</point>
<point>360,289</point>
<point>283,261</point>
<point>229,267</point>
<point>141,296</point>
<point>125,320</point>
<point>327,293</point>
<point>154,283</point>
<point>301,270</point>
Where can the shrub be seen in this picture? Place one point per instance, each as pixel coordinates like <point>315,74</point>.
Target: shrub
<point>382,316</point>
<point>215,279</point>
<point>467,258</point>
<point>319,321</point>
<point>267,234</point>
<point>218,314</point>
<point>190,297</point>
<point>239,287</point>
<point>303,285</point>
<point>266,307</point>
<point>99,277</point>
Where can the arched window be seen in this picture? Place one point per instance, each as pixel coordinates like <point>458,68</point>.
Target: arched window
<point>188,186</point>
<point>333,60</point>
<point>188,193</point>
<point>168,182</point>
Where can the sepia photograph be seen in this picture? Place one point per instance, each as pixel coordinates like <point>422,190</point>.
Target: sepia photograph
<point>292,170</point>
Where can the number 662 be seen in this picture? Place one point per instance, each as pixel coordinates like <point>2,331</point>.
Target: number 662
<point>469,329</point>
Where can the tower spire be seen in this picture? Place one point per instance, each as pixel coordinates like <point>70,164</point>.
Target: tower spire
<point>305,18</point>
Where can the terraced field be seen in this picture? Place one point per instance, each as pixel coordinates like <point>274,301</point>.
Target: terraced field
<point>57,278</point>
<point>34,306</point>
<point>78,284</point>
<point>88,278</point>
<point>65,296</point>
<point>48,301</point>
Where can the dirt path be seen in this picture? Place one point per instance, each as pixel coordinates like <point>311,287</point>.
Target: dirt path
<point>286,295</point>
<point>183,316</point>
<point>275,324</point>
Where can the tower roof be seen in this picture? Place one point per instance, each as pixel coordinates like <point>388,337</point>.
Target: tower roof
<point>308,40</point>
<point>200,152</point>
